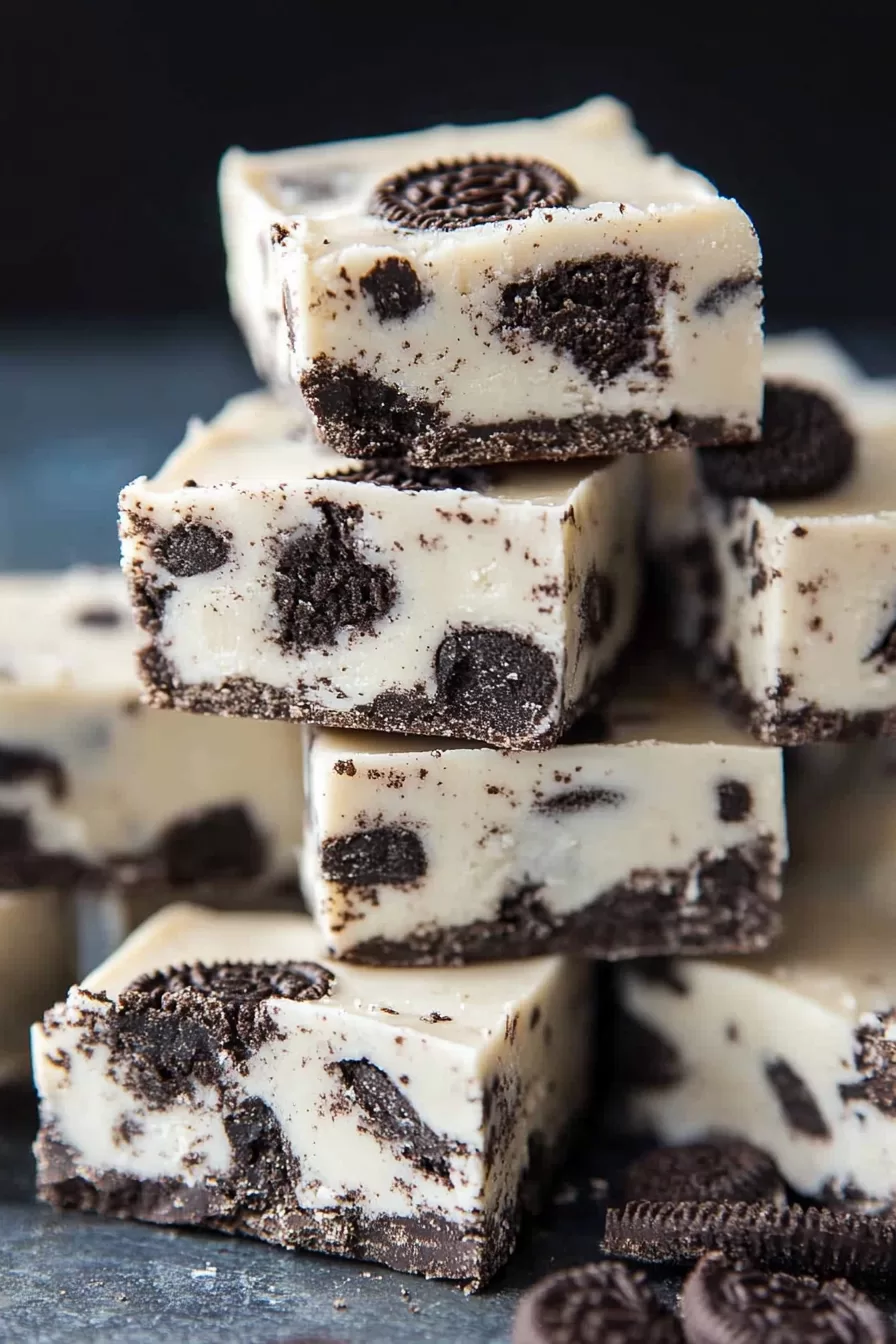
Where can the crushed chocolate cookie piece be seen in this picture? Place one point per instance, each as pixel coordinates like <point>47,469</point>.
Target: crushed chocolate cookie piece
<point>727,1170</point>
<point>799,1106</point>
<point>884,648</point>
<point>216,845</point>
<point>604,1301</point>
<point>148,600</point>
<point>264,1167</point>
<point>401,475</point>
<point>875,1059</point>
<point>192,548</point>
<point>394,289</point>
<point>735,801</point>
<point>580,800</point>
<point>323,585</point>
<point>100,618</point>
<point>22,765</point>
<point>393,1118</point>
<point>462,192</point>
<point>362,414</point>
<point>597,605</point>
<point>725,292</point>
<point>495,677</point>
<point>387,855</point>
<point>806,449</point>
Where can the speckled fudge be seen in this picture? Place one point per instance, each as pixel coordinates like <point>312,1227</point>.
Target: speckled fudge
<point>534,289</point>
<point>660,829</point>
<point>794,1050</point>
<point>97,791</point>
<point>780,562</point>
<point>274,578</point>
<point>217,1071</point>
<point>37,964</point>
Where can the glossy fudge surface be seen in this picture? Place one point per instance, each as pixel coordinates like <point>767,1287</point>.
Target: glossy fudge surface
<point>660,828</point>
<point>98,790</point>
<point>531,289</point>
<point>789,603</point>
<point>275,579</point>
<point>400,1116</point>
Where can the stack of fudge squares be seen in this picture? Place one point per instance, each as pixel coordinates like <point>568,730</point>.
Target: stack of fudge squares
<point>519,421</point>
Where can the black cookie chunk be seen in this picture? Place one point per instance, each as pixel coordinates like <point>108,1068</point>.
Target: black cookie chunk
<point>727,1170</point>
<point>604,1301</point>
<point>735,801</point>
<point>389,855</point>
<point>721,295</point>
<point>806,448</point>
<point>392,1117</point>
<point>394,289</point>
<point>579,800</point>
<point>597,605</point>
<point>21,765</point>
<point>725,1303</point>
<point>827,1242</point>
<point>874,1058</point>
<point>264,1168</point>
<point>800,1108</point>
<point>495,678</point>
<point>191,548</point>
<point>884,648</point>
<point>400,475</point>
<point>100,618</point>
<point>364,414</point>
<point>470,191</point>
<point>217,845</point>
<point>323,585</point>
<point>604,314</point>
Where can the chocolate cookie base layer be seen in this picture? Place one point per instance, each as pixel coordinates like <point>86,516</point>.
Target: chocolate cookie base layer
<point>427,1243</point>
<point>387,423</point>
<point>652,915</point>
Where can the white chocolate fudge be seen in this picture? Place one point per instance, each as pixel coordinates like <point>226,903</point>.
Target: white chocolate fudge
<point>663,831</point>
<point>789,600</point>
<point>276,579</point>
<point>36,965</point>
<point>96,790</point>
<point>217,1071</point>
<point>532,289</point>
<point>792,1050</point>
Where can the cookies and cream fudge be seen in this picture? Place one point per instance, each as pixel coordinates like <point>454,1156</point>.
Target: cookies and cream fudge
<point>532,289</point>
<point>36,965</point>
<point>659,829</point>
<point>792,1050</point>
<point>96,789</point>
<point>780,560</point>
<point>274,578</point>
<point>218,1071</point>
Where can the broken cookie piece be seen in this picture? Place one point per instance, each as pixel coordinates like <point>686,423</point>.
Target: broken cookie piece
<point>527,290</point>
<point>218,1072</point>
<point>376,595</point>
<point>779,560</point>
<point>658,829</point>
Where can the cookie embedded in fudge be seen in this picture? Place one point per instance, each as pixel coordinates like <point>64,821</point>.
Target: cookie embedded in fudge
<point>662,831</point>
<point>779,560</point>
<point>36,965</point>
<point>792,1050</point>
<point>534,289</point>
<point>275,579</point>
<point>96,790</point>
<point>217,1071</point>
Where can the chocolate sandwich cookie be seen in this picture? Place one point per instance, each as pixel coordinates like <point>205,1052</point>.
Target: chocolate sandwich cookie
<point>812,1240</point>
<point>604,1301</point>
<point>725,1303</point>
<point>727,1170</point>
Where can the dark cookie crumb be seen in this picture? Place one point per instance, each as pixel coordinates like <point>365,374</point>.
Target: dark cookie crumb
<point>100,618</point>
<point>22,765</point>
<point>401,475</point>
<point>456,194</point>
<point>392,1118</point>
<point>735,801</point>
<point>394,289</point>
<point>597,605</point>
<point>381,855</point>
<point>580,800</point>
<point>800,1108</point>
<point>216,845</point>
<point>191,548</point>
<point>725,292</point>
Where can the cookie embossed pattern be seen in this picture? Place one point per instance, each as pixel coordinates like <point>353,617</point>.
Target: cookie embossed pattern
<point>532,289</point>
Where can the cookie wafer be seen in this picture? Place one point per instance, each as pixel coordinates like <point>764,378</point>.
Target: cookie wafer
<point>605,1301</point>
<point>821,1241</point>
<point>728,1170</point>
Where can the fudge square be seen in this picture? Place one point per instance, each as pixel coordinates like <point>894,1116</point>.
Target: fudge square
<point>216,1071</point>
<point>97,791</point>
<point>794,1050</point>
<point>534,289</point>
<point>275,579</point>
<point>660,829</point>
<point>781,574</point>
<point>37,964</point>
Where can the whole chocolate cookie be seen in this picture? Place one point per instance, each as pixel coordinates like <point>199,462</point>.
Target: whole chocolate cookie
<point>806,448</point>
<point>605,1301</point>
<point>725,1303</point>
<point>470,191</point>
<point>725,1170</point>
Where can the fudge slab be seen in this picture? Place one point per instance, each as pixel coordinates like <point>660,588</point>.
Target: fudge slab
<point>37,964</point>
<point>407,1117</point>
<point>533,289</point>
<point>275,579</point>
<point>663,833</point>
<point>97,790</point>
<point>790,604</point>
<point>794,1050</point>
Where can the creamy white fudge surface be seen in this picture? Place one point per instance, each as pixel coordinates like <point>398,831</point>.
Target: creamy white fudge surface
<point>275,579</point>
<point>37,964</point>
<point>790,604</point>
<point>792,1050</point>
<point>96,789</point>
<point>663,833</point>
<point>531,289</point>
<point>399,1116</point>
